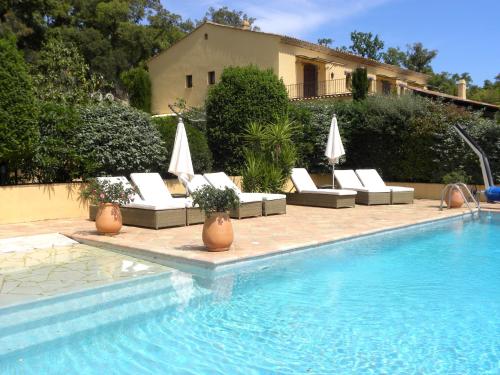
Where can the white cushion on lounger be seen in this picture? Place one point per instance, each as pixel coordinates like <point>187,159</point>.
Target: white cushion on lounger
<point>330,191</point>
<point>126,185</point>
<point>347,179</point>
<point>302,181</point>
<point>371,179</point>
<point>220,180</point>
<point>197,182</point>
<point>267,196</point>
<point>174,203</point>
<point>151,187</point>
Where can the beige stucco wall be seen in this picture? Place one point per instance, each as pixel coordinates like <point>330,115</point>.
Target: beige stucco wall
<point>194,55</point>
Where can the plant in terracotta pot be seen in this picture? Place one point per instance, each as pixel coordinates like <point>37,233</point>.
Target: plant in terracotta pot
<point>108,197</point>
<point>453,197</point>
<point>216,203</point>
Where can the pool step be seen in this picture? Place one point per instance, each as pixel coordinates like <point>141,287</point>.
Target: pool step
<point>30,325</point>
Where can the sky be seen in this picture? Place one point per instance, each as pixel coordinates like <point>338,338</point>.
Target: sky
<point>466,33</point>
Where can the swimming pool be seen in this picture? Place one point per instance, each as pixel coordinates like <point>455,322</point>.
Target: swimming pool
<point>421,300</point>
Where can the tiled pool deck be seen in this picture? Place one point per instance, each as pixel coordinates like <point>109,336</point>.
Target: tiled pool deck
<point>256,237</point>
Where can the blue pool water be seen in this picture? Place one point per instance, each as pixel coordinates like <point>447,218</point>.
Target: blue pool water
<point>423,300</point>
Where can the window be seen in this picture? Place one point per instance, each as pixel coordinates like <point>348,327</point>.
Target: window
<point>211,78</point>
<point>206,36</point>
<point>189,81</point>
<point>386,87</point>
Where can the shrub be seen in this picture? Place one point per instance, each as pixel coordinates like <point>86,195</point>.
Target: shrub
<point>138,85</point>
<point>200,152</point>
<point>98,192</point>
<point>119,140</point>
<point>57,158</point>
<point>406,138</point>
<point>360,84</point>
<point>243,95</point>
<point>61,74</point>
<point>270,156</point>
<point>211,199</point>
<point>18,127</point>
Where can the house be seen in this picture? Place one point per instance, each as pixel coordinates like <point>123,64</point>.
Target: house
<point>188,68</point>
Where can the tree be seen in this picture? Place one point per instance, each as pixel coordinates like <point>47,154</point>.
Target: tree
<point>325,42</point>
<point>225,16</point>
<point>419,58</point>
<point>489,93</point>
<point>394,56</point>
<point>366,45</point>
<point>61,74</point>
<point>138,85</point>
<point>446,82</point>
<point>18,127</point>
<point>360,84</point>
<point>243,95</point>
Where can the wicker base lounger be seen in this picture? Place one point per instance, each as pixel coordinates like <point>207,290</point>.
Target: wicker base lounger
<point>320,200</point>
<point>273,207</point>
<point>402,197</point>
<point>194,216</point>
<point>370,198</point>
<point>248,209</point>
<point>155,219</point>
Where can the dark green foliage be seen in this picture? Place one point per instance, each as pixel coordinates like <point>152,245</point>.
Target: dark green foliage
<point>270,155</point>
<point>360,84</point>
<point>119,140</point>
<point>405,138</point>
<point>419,58</point>
<point>243,95</point>
<point>225,16</point>
<point>200,152</point>
<point>211,199</point>
<point>138,86</point>
<point>18,127</point>
<point>366,45</point>
<point>57,159</point>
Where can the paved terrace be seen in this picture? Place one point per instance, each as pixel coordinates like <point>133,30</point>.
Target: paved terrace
<point>255,237</point>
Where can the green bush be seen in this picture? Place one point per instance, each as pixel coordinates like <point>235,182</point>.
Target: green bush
<point>119,140</point>
<point>18,127</point>
<point>57,157</point>
<point>406,138</point>
<point>243,95</point>
<point>360,84</point>
<point>200,152</point>
<point>138,85</point>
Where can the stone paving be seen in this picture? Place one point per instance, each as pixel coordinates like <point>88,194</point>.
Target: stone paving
<point>37,273</point>
<point>255,237</point>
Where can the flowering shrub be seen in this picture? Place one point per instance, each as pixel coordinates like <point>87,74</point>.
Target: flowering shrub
<point>98,192</point>
<point>211,199</point>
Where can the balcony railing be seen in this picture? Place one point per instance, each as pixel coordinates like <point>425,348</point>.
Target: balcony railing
<point>318,89</point>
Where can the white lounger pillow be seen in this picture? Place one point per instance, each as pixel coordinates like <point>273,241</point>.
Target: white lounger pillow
<point>371,179</point>
<point>347,179</point>
<point>304,184</point>
<point>155,194</point>
<point>221,180</point>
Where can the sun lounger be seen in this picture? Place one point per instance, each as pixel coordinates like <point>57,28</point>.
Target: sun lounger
<point>347,179</point>
<point>251,204</point>
<point>146,214</point>
<point>308,194</point>
<point>155,193</point>
<point>371,179</point>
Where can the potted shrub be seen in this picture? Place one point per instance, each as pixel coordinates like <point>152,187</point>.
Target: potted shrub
<point>108,197</point>
<point>454,198</point>
<point>216,203</point>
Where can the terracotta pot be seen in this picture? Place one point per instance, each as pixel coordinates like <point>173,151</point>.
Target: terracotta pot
<point>217,231</point>
<point>454,200</point>
<point>108,219</point>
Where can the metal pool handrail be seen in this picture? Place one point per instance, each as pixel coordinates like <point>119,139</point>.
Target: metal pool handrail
<point>457,186</point>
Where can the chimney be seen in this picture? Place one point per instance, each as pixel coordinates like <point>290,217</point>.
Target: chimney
<point>245,25</point>
<point>462,89</point>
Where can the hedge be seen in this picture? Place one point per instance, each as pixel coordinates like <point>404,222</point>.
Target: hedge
<point>243,95</point>
<point>119,140</point>
<point>200,152</point>
<point>18,126</point>
<point>405,138</point>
